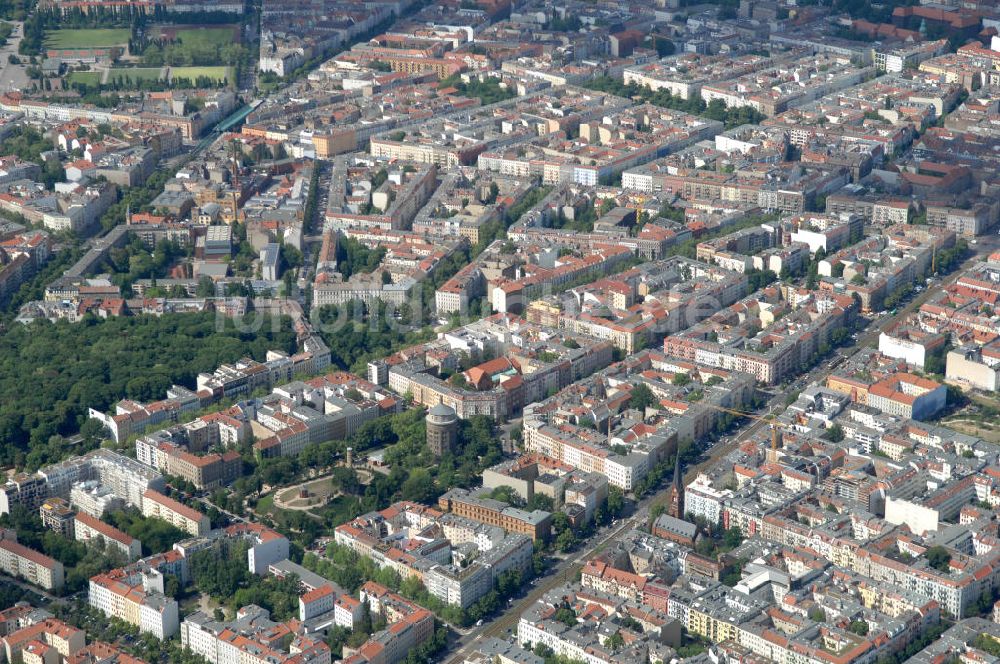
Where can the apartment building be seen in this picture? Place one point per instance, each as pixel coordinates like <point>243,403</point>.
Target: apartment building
<point>175,513</point>
<point>910,344</point>
<point>598,575</point>
<point>135,594</point>
<point>99,652</point>
<point>65,641</point>
<point>796,339</point>
<point>874,209</point>
<point>978,367</point>
<point>21,562</point>
<point>683,75</point>
<point>57,515</point>
<point>455,294</point>
<point>22,489</point>
<point>347,612</point>
<point>87,528</point>
<point>316,602</point>
<point>907,395</point>
<point>622,471</point>
<point>702,499</point>
<point>94,498</point>
<point>409,625</point>
<point>967,221</point>
<point>252,638</point>
<point>599,616</point>
<point>535,524</point>
<point>167,450</point>
<point>375,536</point>
<point>125,477</point>
<point>825,232</point>
<point>208,471</point>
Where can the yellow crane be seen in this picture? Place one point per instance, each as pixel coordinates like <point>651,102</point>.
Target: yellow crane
<point>775,425</point>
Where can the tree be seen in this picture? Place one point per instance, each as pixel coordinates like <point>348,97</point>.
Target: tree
<point>732,538</point>
<point>566,615</point>
<point>615,641</point>
<point>681,379</point>
<point>938,558</point>
<point>539,501</point>
<point>616,501</point>
<point>354,257</point>
<point>419,487</point>
<point>642,397</point>
<point>291,257</point>
<point>95,363</point>
<point>565,541</point>
<point>156,535</point>
<point>761,278</point>
<point>508,495</point>
<point>859,627</point>
<point>93,431</point>
<point>834,434</point>
<point>817,614</point>
<point>366,619</point>
<point>494,192</point>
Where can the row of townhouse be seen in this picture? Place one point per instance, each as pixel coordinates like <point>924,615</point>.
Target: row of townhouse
<point>21,562</point>
<point>135,593</point>
<point>379,536</point>
<point>514,295</point>
<point>251,638</point>
<point>131,418</point>
<point>36,636</point>
<point>88,528</point>
<point>786,189</point>
<point>547,431</point>
<point>204,471</point>
<point>791,348</point>
<point>506,395</point>
<point>126,478</point>
<point>174,512</point>
<point>955,591</point>
<point>408,626</point>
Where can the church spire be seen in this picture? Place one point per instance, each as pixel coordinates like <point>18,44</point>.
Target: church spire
<point>676,509</point>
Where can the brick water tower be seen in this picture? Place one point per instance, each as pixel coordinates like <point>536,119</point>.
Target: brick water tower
<point>442,429</point>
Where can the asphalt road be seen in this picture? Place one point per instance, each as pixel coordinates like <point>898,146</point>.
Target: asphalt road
<point>564,571</point>
<point>12,77</point>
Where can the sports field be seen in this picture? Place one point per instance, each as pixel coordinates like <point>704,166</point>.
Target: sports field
<point>207,36</point>
<point>218,73</point>
<point>88,78</point>
<point>192,35</point>
<point>136,73</point>
<point>87,38</point>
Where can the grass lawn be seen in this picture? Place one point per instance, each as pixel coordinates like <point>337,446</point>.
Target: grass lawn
<point>218,73</point>
<point>265,504</point>
<point>982,430</point>
<point>205,36</point>
<point>136,73</point>
<point>89,38</point>
<point>89,78</point>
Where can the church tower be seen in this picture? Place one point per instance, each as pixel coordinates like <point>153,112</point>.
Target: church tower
<point>676,508</point>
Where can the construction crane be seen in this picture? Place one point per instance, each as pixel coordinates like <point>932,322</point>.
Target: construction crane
<point>775,425</point>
